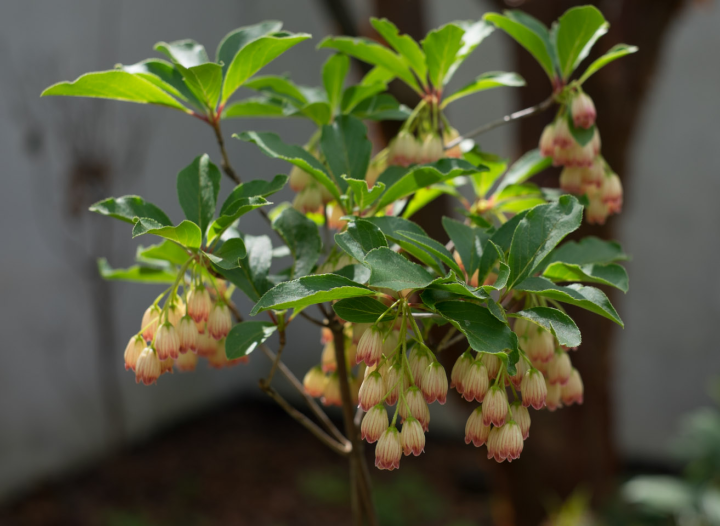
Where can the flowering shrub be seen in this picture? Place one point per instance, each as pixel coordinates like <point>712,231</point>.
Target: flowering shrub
<point>499,284</point>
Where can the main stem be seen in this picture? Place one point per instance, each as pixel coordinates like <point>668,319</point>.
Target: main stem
<point>360,477</point>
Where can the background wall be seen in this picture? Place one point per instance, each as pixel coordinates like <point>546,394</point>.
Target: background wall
<point>51,417</point>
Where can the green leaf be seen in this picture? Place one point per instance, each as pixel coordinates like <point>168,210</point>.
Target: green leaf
<point>436,249</point>
<point>272,146</point>
<point>393,227</point>
<point>539,29</point>
<point>361,310</point>
<point>425,175</point>
<point>357,273</point>
<point>524,168</point>
<point>241,37</point>
<point>244,338</point>
<point>364,196</point>
<point>302,237</point>
<point>468,242</point>
<point>405,45</point>
<point>454,290</point>
<point>346,148</point>
<point>130,208</point>
<point>359,238</point>
<point>441,47</point>
<point>187,234</point>
<point>373,53</point>
<point>278,87</point>
<point>617,51</point>
<point>254,268</point>
<point>475,33</point>
<point>205,81</point>
<point>538,233</point>
<point>165,251</point>
<point>254,56</point>
<point>333,74</point>
<point>117,85</point>
<point>187,53</point>
<point>589,250</point>
<point>254,188</point>
<point>354,95</point>
<point>253,107</point>
<point>198,185</point>
<point>588,298</point>
<point>484,332</point>
<point>527,38</point>
<point>392,271</point>
<point>489,80</point>
<point>579,28</point>
<point>309,290</point>
<point>557,322</point>
<point>503,272</point>
<point>136,273</point>
<point>495,167</point>
<point>611,274</point>
<point>581,135</point>
<point>502,238</point>
<point>381,107</point>
<point>518,197</point>
<point>164,76</point>
<point>229,254</point>
<point>230,212</point>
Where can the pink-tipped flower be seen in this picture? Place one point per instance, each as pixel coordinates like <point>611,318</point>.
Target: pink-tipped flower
<point>134,347</point>
<point>597,210</point>
<point>388,451</point>
<point>374,424</point>
<point>563,138</point>
<point>206,346</point>
<point>310,199</point>
<point>572,392</point>
<point>521,367</point>
<point>167,342</point>
<point>419,360</point>
<point>314,381</point>
<point>431,150</point>
<point>416,407</point>
<point>218,359</point>
<point>404,150</point>
<point>394,383</point>
<point>201,326</point>
<point>188,334</point>
<point>199,303</point>
<point>507,443</point>
<point>475,430</point>
<point>611,193</point>
<point>150,322</point>
<point>583,111</point>
<point>475,382</point>
<point>166,366</point>
<point>495,406</point>
<point>147,368</point>
<point>559,369</point>
<point>175,312</point>
<point>327,358</point>
<point>463,363</point>
<point>492,363</point>
<point>186,362</point>
<point>299,179</point>
<point>372,391</point>
<point>571,180</point>
<point>554,396</point>
<point>434,383</point>
<point>534,390</point>
<point>547,141</point>
<point>450,135</point>
<point>412,437</point>
<point>220,321</point>
<point>358,329</point>
<point>521,416</point>
<point>593,175</point>
<point>537,343</point>
<point>370,346</point>
<point>331,394</point>
<point>580,156</point>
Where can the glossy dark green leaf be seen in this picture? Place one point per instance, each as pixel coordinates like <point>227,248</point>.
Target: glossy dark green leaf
<point>381,107</point>
<point>354,95</point>
<point>187,233</point>
<point>301,235</point>
<point>359,238</point>
<point>485,333</point>
<point>588,298</point>
<point>539,232</point>
<point>251,278</point>
<point>229,254</point>
<point>502,238</point>
<point>309,290</point>
<point>616,52</point>
<point>486,81</point>
<point>557,322</point>
<point>117,85</point>
<point>527,38</point>
<point>362,195</point>
<point>254,56</point>
<point>441,47</point>
<point>503,270</point>
<point>362,310</point>
<point>435,248</point>
<point>333,75</point>
<point>392,271</point>
<point>246,336</point>
<point>231,211</point>
<point>187,53</point>
<point>581,135</point>
<point>611,274</point>
<point>589,250</point>
<point>278,87</point>
<point>357,273</point>
<point>458,290</point>
<point>468,242</point>
<point>392,227</point>
<point>540,29</point>
<point>346,148</point>
<point>136,273</point>
<point>524,168</point>
<point>405,45</point>
<point>578,30</point>
<point>198,185</point>
<point>130,208</point>
<point>272,146</point>
<point>241,37</point>
<point>165,251</point>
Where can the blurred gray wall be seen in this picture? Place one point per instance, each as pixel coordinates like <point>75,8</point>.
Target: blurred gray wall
<point>50,414</point>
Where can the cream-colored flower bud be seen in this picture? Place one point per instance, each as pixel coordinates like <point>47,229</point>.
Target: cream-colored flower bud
<point>412,437</point>
<point>559,368</point>
<point>374,424</point>
<point>147,368</point>
<point>150,322</point>
<point>572,392</point>
<point>534,389</point>
<point>495,406</point>
<point>314,381</point>
<point>521,416</point>
<point>331,394</point>
<point>188,333</point>
<point>186,362</point>
<point>388,451</point>
<point>167,342</point>
<point>199,303</point>
<point>134,347</point>
<point>475,430</point>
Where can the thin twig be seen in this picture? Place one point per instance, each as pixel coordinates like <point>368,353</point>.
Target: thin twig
<point>276,361</point>
<point>312,320</point>
<point>527,112</point>
<point>226,166</point>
